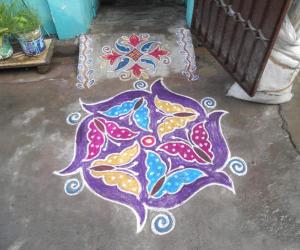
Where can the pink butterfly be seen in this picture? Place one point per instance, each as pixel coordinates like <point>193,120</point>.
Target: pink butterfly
<point>198,150</point>
<point>101,130</point>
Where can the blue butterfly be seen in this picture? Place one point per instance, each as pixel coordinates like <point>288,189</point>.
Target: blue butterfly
<point>161,182</point>
<point>137,109</point>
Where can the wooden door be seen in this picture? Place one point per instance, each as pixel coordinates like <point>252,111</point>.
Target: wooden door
<point>240,34</point>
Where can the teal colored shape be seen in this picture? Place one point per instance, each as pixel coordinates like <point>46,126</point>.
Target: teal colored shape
<point>71,17</point>
<point>43,11</point>
<point>122,109</point>
<point>141,116</point>
<point>189,12</point>
<point>156,169</point>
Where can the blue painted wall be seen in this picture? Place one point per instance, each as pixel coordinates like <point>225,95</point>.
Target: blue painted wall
<point>189,12</point>
<point>42,8</point>
<point>71,17</point>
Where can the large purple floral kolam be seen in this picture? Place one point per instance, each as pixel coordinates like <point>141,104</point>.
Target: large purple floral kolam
<point>151,150</point>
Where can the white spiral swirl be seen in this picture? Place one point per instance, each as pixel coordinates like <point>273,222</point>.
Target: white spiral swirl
<point>73,187</point>
<point>73,118</point>
<point>144,36</point>
<point>106,49</point>
<point>209,102</point>
<point>163,223</point>
<point>140,84</point>
<point>238,166</point>
<point>124,76</point>
<point>166,60</point>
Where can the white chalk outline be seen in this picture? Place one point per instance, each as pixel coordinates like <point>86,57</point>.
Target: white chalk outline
<point>185,43</point>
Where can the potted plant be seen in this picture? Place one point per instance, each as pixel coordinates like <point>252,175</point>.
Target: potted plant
<point>27,30</point>
<point>6,23</point>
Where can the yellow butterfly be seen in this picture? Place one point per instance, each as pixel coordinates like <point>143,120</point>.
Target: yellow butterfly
<point>177,116</point>
<point>113,172</point>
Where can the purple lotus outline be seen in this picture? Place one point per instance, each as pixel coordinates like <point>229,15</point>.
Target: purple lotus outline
<point>213,172</point>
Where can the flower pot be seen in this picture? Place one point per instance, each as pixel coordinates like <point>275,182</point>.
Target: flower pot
<point>6,49</point>
<point>32,43</point>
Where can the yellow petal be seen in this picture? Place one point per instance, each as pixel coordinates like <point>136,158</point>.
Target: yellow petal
<point>123,181</point>
<point>172,123</point>
<point>118,159</point>
<point>171,108</point>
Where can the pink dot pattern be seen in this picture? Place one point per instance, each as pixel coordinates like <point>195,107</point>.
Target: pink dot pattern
<point>96,141</point>
<point>201,139</point>
<point>117,132</point>
<point>181,149</point>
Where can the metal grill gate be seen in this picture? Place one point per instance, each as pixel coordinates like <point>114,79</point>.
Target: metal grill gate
<point>240,34</point>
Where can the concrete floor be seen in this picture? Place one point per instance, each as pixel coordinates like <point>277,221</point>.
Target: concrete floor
<point>35,141</point>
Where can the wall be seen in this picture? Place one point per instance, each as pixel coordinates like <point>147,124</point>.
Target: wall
<point>189,12</point>
<point>42,8</point>
<point>64,18</point>
<point>72,17</point>
<point>69,18</point>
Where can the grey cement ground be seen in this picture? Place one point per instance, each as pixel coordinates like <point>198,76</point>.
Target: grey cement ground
<point>35,213</point>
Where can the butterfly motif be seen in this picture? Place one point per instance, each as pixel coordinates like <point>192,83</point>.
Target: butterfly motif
<point>176,116</point>
<point>137,110</point>
<point>100,130</point>
<point>113,172</point>
<point>199,150</point>
<point>161,181</point>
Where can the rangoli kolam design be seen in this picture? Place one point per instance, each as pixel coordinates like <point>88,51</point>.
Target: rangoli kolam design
<point>150,150</point>
<point>135,57</point>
